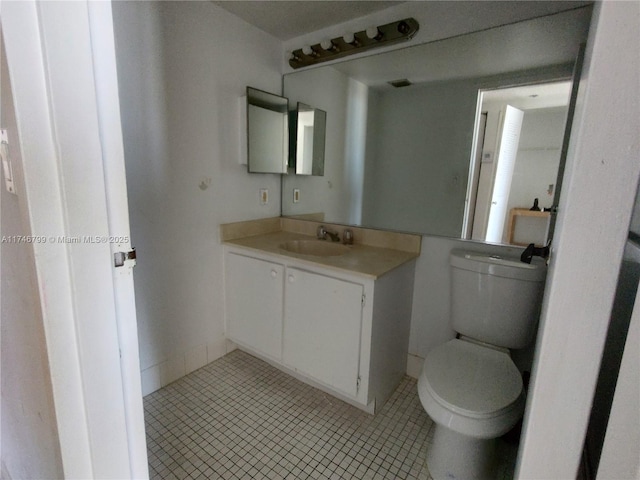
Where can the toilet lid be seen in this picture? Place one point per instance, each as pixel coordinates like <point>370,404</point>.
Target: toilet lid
<point>472,379</point>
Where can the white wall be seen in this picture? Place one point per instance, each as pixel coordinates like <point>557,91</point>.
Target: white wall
<point>182,67</point>
<point>538,157</point>
<point>30,447</point>
<point>593,222</point>
<point>430,325</point>
<point>422,151</point>
<point>620,457</point>
<point>635,218</point>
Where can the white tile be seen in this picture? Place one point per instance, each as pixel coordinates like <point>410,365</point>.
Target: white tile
<point>230,346</point>
<point>286,427</point>
<point>216,350</point>
<point>150,378</point>
<point>172,370</point>
<point>195,358</point>
<point>414,365</point>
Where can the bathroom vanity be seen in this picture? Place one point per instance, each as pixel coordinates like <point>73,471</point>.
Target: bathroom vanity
<point>337,318</point>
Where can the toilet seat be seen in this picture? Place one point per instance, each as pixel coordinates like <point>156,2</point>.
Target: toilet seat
<point>472,380</point>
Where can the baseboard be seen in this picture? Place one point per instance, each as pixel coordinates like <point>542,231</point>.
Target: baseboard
<point>414,365</point>
<point>162,374</point>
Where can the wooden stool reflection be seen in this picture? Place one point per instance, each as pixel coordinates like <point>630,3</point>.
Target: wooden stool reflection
<point>519,213</point>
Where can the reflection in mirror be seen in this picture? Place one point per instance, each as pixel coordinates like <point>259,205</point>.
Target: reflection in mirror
<point>309,141</point>
<point>267,132</point>
<point>401,158</point>
<point>519,133</point>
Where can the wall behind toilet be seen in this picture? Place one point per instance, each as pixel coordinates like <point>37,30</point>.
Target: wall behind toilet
<point>430,325</point>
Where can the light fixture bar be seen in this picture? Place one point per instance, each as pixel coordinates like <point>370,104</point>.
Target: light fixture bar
<point>366,39</point>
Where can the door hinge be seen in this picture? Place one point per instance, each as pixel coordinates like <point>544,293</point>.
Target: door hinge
<point>121,258</point>
<point>7,168</point>
<point>364,299</point>
<point>358,384</point>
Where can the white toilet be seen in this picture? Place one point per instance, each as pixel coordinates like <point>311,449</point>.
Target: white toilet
<point>469,386</point>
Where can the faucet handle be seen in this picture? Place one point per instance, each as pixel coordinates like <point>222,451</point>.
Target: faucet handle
<point>347,236</point>
<point>321,232</point>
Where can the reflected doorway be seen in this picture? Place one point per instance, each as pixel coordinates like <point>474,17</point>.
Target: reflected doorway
<point>516,156</point>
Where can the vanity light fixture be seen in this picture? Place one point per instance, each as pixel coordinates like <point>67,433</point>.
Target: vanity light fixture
<point>357,42</point>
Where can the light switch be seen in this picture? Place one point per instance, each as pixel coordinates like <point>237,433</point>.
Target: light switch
<point>296,195</point>
<point>264,196</point>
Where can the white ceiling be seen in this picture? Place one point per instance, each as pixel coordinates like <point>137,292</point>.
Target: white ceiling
<point>289,19</point>
<point>544,95</point>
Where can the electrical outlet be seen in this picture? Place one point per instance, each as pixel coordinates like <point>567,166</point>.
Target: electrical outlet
<point>264,196</point>
<point>296,195</point>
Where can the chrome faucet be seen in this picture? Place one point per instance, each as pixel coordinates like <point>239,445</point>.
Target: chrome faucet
<point>322,234</point>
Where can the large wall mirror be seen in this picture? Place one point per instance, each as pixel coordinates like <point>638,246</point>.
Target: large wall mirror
<point>422,156</point>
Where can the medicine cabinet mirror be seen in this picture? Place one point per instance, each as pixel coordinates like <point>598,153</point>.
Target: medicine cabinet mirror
<point>307,154</point>
<point>267,132</point>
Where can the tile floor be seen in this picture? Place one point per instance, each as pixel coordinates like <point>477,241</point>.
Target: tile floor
<point>241,418</point>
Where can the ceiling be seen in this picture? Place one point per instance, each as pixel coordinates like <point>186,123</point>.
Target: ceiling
<point>289,19</point>
<point>544,95</point>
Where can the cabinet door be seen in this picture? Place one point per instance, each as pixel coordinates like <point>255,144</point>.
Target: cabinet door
<point>254,295</point>
<point>323,317</point>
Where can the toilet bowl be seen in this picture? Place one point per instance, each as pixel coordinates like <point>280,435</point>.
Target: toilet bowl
<point>474,394</point>
<point>469,386</point>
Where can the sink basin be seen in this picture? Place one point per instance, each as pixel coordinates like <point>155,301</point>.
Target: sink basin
<point>316,248</point>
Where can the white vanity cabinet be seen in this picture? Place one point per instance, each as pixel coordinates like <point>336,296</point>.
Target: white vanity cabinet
<point>322,328</point>
<point>343,332</point>
<point>254,290</point>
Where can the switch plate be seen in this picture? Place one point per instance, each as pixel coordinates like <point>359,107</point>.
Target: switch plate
<point>296,195</point>
<point>264,196</point>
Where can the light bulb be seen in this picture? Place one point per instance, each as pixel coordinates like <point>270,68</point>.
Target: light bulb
<point>294,57</point>
<point>349,38</point>
<point>307,50</point>
<point>326,44</point>
<point>373,33</point>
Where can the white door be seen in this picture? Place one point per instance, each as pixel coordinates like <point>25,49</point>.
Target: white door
<point>61,59</point>
<point>254,296</point>
<point>323,318</point>
<point>509,139</point>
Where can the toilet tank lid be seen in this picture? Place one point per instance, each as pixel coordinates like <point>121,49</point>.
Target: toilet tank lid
<point>471,379</point>
<point>497,265</point>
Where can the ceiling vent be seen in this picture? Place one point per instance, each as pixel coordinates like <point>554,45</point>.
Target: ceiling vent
<point>400,83</point>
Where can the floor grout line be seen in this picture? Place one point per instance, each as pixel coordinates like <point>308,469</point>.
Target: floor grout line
<point>241,418</point>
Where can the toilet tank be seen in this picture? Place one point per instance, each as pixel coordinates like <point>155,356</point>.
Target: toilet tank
<point>496,300</point>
